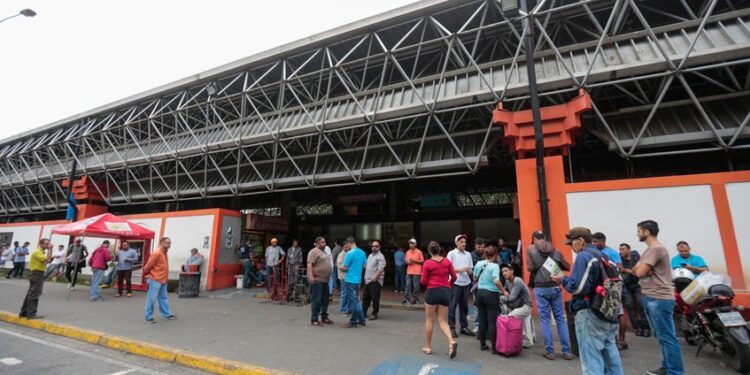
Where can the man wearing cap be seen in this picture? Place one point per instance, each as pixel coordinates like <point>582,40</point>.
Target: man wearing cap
<point>597,337</point>
<point>274,257</point>
<point>463,265</point>
<point>414,260</point>
<point>540,258</point>
<point>76,259</point>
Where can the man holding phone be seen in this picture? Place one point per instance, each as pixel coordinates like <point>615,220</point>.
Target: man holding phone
<point>684,259</point>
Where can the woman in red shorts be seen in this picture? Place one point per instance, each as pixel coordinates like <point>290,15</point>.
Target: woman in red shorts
<point>437,276</point>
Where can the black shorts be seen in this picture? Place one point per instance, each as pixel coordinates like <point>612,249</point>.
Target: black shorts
<point>438,296</point>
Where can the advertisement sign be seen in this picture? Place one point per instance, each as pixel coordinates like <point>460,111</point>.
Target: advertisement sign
<point>266,223</point>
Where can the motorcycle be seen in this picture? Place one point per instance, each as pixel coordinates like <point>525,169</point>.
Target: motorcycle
<point>713,320</point>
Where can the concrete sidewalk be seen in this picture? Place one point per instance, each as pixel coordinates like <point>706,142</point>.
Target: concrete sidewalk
<point>235,325</point>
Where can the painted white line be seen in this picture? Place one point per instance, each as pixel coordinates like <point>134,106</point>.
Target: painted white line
<point>123,372</point>
<point>427,368</point>
<point>80,352</point>
<point>10,361</point>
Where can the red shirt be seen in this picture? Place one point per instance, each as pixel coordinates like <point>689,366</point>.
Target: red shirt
<point>436,274</point>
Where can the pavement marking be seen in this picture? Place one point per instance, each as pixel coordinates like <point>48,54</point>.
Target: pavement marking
<point>123,372</point>
<point>79,352</point>
<point>427,368</point>
<point>10,361</point>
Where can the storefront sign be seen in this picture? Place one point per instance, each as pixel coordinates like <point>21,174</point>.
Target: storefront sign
<point>360,198</point>
<point>435,200</point>
<point>266,223</point>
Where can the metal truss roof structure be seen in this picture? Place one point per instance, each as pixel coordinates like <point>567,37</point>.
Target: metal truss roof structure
<point>402,95</point>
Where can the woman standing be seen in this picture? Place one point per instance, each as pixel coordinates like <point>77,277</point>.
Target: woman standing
<point>437,276</point>
<point>489,285</point>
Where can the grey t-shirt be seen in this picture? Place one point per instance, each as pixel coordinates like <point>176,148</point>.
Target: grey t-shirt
<point>517,290</point>
<point>75,253</point>
<point>375,262</point>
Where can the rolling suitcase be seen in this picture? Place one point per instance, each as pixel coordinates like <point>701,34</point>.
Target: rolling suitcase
<point>509,340</point>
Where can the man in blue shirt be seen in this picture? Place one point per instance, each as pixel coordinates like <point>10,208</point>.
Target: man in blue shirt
<point>596,337</point>
<point>399,259</point>
<point>684,259</point>
<point>354,263</point>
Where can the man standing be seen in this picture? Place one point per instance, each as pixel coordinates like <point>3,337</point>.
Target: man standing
<point>341,274</point>
<point>374,276</point>
<point>599,240</point>
<point>156,272</point>
<point>632,297</point>
<point>684,259</point>
<point>414,260</point>
<point>19,261</point>
<point>57,260</point>
<point>12,258</point>
<point>318,273</point>
<point>655,276</point>
<point>6,255</point>
<point>245,255</point>
<point>76,259</point>
<point>542,260</point>
<point>125,259</point>
<point>596,336</point>
<point>476,256</point>
<point>293,264</point>
<point>274,257</point>
<point>36,281</point>
<point>399,260</point>
<point>463,265</point>
<point>335,274</point>
<point>354,262</point>
<point>98,263</point>
<point>505,252</point>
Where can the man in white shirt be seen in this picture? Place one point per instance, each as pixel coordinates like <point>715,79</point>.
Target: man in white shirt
<point>274,257</point>
<point>57,260</point>
<point>463,265</point>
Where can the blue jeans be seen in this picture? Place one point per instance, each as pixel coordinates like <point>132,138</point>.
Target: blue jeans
<point>597,345</point>
<point>157,292</point>
<point>343,301</point>
<point>659,313</point>
<point>247,276</point>
<point>95,281</point>
<point>331,283</point>
<point>319,301</point>
<point>550,300</point>
<point>111,275</point>
<point>352,298</point>
<point>400,278</point>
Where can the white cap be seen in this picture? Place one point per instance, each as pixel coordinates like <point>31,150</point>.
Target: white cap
<point>412,241</point>
<point>460,236</point>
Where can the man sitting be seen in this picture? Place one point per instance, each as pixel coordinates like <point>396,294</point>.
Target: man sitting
<point>685,259</point>
<point>196,259</point>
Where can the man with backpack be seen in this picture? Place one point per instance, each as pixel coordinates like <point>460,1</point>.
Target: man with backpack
<point>596,289</point>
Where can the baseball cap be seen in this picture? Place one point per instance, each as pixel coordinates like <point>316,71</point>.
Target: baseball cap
<point>460,236</point>
<point>576,232</point>
<point>412,240</point>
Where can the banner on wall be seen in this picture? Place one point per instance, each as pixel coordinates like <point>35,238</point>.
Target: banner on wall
<point>266,223</point>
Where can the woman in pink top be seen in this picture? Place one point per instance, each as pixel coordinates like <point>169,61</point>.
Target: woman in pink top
<point>437,276</point>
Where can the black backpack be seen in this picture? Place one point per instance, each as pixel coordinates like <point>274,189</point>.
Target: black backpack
<point>606,298</point>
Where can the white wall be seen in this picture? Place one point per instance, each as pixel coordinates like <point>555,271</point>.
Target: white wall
<point>739,204</point>
<point>188,232</point>
<point>24,233</point>
<point>683,213</point>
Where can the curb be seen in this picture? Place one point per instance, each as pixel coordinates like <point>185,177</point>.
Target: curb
<point>206,363</point>
<point>386,305</point>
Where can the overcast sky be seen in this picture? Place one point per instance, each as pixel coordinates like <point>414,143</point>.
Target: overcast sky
<point>76,55</point>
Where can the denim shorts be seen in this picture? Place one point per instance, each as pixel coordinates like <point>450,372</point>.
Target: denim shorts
<point>438,296</point>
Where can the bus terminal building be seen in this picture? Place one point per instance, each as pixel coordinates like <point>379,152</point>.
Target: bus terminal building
<point>417,123</point>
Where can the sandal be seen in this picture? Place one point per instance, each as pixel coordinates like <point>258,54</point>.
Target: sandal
<point>453,350</point>
<point>427,350</point>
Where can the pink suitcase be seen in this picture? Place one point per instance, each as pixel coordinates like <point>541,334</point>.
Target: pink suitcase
<point>509,340</point>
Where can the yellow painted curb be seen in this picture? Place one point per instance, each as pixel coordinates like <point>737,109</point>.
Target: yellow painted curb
<point>211,364</point>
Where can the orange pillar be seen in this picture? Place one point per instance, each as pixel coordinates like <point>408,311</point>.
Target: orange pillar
<point>528,203</point>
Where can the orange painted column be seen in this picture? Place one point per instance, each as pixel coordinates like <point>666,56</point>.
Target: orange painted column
<point>86,211</point>
<point>528,203</point>
<point>728,236</point>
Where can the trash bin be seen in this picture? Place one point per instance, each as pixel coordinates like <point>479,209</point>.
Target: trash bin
<point>238,278</point>
<point>190,284</point>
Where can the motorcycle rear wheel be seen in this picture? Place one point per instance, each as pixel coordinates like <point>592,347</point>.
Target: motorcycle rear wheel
<point>690,338</point>
<point>737,355</point>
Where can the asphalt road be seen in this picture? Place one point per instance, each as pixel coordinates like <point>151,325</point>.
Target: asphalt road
<point>26,351</point>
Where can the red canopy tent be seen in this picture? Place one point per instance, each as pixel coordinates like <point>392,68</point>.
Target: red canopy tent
<point>111,226</point>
